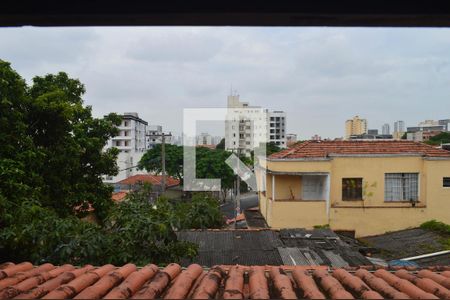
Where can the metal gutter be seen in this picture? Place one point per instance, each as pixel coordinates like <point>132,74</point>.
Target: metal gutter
<point>427,255</point>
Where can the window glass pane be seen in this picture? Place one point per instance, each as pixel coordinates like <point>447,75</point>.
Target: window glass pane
<point>313,187</point>
<point>351,189</point>
<point>446,182</point>
<point>401,187</point>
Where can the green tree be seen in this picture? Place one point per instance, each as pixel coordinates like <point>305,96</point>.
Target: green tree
<point>210,163</point>
<point>221,144</point>
<point>142,231</point>
<point>152,162</point>
<point>199,213</point>
<point>441,138</point>
<point>70,141</point>
<point>51,163</point>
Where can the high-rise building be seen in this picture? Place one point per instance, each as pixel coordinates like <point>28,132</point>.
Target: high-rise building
<point>399,129</point>
<point>399,126</point>
<point>355,126</point>
<point>445,123</point>
<point>247,126</point>
<point>386,129</point>
<point>276,121</point>
<point>131,142</point>
<point>205,139</point>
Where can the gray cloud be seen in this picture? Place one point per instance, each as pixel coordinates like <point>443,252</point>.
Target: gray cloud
<point>320,76</point>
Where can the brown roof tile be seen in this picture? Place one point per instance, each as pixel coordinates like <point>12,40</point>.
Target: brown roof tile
<point>221,282</point>
<point>323,149</point>
<point>119,196</point>
<point>148,178</point>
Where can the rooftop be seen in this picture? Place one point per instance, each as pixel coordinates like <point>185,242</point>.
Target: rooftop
<point>325,149</point>
<point>148,178</point>
<point>271,247</point>
<point>410,243</point>
<point>25,281</point>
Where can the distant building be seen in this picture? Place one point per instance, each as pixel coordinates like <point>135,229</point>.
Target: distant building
<point>445,123</point>
<point>368,136</point>
<point>421,136</point>
<point>154,136</point>
<point>248,126</point>
<point>131,142</point>
<point>204,139</point>
<point>399,129</point>
<point>316,137</point>
<point>386,129</point>
<point>277,128</point>
<point>355,126</point>
<point>291,139</point>
<point>372,131</point>
<point>428,125</point>
<point>399,126</point>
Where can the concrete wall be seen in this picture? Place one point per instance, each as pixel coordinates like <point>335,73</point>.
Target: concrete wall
<point>368,217</point>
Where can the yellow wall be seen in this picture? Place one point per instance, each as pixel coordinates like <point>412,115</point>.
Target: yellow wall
<point>369,217</point>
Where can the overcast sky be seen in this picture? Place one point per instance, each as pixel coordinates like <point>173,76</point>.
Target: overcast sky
<point>319,76</point>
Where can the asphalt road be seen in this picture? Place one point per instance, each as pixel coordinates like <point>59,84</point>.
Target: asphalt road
<point>247,201</point>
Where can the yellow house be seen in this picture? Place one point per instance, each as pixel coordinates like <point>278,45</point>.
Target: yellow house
<point>369,187</point>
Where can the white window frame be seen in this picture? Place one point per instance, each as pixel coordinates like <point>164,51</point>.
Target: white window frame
<point>398,188</point>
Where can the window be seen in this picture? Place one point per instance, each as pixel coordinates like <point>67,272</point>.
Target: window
<point>313,187</point>
<point>401,187</point>
<point>352,189</point>
<point>446,182</point>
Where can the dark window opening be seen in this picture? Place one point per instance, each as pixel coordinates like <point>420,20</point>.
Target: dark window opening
<point>352,189</point>
<point>446,182</point>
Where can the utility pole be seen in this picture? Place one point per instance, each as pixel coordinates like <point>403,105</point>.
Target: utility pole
<point>163,136</point>
<point>163,158</point>
<point>238,193</point>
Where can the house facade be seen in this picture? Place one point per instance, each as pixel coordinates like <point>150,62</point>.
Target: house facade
<point>369,187</point>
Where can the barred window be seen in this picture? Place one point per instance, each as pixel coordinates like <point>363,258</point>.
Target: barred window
<point>352,189</point>
<point>446,182</point>
<point>401,187</point>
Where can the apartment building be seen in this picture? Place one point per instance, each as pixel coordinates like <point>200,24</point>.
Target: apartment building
<point>355,126</point>
<point>131,142</point>
<point>154,136</point>
<point>246,126</point>
<point>385,129</point>
<point>369,187</point>
<point>277,128</point>
<point>399,129</point>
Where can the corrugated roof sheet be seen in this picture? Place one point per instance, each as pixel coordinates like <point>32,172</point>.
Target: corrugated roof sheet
<point>323,149</point>
<point>271,247</point>
<point>25,281</point>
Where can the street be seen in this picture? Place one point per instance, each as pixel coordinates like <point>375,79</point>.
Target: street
<point>248,200</point>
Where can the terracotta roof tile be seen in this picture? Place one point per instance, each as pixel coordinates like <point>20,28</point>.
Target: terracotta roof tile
<point>119,196</point>
<point>148,178</point>
<point>221,282</point>
<point>323,149</point>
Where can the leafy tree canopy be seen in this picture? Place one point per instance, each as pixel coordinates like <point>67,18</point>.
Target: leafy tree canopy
<point>210,163</point>
<point>51,164</point>
<point>221,144</point>
<point>441,138</point>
